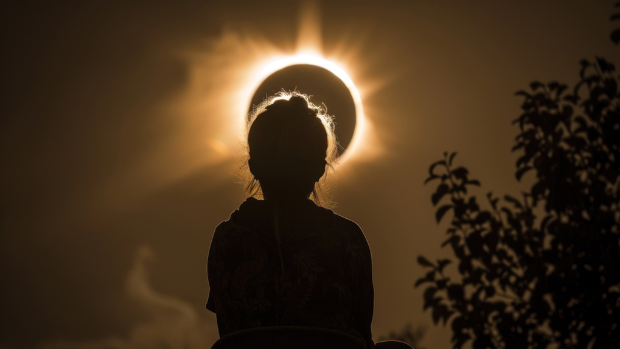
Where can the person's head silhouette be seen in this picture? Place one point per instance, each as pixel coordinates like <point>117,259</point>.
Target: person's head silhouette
<point>285,261</point>
<point>291,142</point>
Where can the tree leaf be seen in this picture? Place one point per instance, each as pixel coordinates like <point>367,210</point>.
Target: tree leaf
<point>490,291</point>
<point>425,262</point>
<point>567,111</point>
<point>482,217</point>
<point>441,212</point>
<point>473,182</point>
<point>458,324</point>
<point>522,171</point>
<point>561,90</point>
<point>429,294</point>
<point>430,178</point>
<point>456,292</point>
<point>553,85</point>
<point>576,142</point>
<point>442,190</point>
<point>522,93</point>
<point>420,281</point>
<point>534,85</point>
<point>514,201</point>
<point>583,125</point>
<point>615,36</point>
<point>454,239</point>
<point>442,264</point>
<point>572,98</point>
<point>460,340</point>
<point>435,164</point>
<point>451,158</point>
<point>483,341</point>
<point>611,87</point>
<point>460,173</point>
<point>603,64</point>
<point>491,239</point>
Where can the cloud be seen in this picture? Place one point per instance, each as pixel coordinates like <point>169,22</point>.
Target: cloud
<point>173,323</point>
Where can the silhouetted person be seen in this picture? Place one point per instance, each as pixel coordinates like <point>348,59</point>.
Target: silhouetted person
<point>284,260</point>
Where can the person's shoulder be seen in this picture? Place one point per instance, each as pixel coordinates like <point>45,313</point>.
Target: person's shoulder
<point>349,227</point>
<point>343,222</point>
<point>227,224</point>
<point>353,234</point>
<point>228,227</point>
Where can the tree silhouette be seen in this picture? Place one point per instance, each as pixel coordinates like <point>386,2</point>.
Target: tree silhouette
<point>542,270</point>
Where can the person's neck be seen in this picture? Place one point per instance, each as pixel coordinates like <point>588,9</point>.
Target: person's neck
<point>284,196</point>
<point>285,200</point>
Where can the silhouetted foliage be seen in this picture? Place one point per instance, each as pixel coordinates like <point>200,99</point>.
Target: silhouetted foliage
<point>542,270</point>
<point>407,335</point>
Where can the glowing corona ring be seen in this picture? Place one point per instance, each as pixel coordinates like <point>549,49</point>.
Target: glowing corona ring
<point>279,63</point>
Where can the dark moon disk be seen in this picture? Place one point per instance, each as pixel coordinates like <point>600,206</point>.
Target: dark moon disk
<point>323,87</point>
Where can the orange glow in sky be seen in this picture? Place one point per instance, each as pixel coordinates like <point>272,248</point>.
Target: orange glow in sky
<point>313,58</point>
<point>225,77</point>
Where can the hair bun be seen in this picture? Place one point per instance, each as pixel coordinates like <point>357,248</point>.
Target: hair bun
<point>294,105</point>
<point>298,102</point>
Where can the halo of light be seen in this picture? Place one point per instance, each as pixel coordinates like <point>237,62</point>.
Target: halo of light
<point>281,62</point>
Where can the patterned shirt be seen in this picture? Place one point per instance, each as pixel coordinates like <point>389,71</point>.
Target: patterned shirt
<point>305,267</point>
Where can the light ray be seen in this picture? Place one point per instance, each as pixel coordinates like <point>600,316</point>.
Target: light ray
<point>314,59</point>
<point>205,124</point>
<point>309,50</point>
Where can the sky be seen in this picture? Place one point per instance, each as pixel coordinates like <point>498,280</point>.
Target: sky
<point>121,144</point>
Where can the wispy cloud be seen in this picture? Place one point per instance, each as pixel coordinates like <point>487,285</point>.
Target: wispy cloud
<point>173,323</point>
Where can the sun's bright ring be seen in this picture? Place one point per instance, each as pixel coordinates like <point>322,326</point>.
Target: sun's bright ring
<point>279,63</point>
